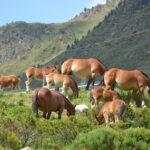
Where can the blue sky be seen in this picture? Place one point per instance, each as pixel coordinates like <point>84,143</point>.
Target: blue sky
<point>44,11</point>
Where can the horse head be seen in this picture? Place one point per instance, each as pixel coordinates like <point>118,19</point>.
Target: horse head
<point>71,111</point>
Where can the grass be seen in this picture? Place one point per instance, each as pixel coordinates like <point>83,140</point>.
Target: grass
<point>16,116</point>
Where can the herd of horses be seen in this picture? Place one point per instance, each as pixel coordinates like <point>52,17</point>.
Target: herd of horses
<point>51,101</point>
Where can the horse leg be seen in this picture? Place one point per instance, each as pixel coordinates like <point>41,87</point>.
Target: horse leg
<point>48,115</point>
<point>60,112</point>
<point>44,114</point>
<point>142,96</point>
<point>96,102</point>
<point>106,117</point>
<point>27,84</point>
<point>48,85</point>
<point>93,81</point>
<point>116,117</point>
<point>65,91</point>
<point>88,84</point>
<point>132,97</point>
<point>13,86</point>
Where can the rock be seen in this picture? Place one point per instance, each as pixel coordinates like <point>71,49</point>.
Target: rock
<point>26,148</point>
<point>82,108</point>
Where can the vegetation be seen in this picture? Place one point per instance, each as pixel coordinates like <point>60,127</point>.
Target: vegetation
<point>24,45</point>
<point>121,40</point>
<point>20,128</point>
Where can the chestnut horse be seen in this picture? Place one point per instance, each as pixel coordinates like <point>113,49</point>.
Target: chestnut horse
<point>99,92</point>
<point>127,80</point>
<point>64,81</point>
<point>84,68</point>
<point>50,101</point>
<point>39,74</point>
<point>10,81</point>
<point>117,107</point>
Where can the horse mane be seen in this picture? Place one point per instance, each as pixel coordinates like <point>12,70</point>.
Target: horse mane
<point>74,82</point>
<point>144,74</point>
<point>68,102</point>
<point>101,62</point>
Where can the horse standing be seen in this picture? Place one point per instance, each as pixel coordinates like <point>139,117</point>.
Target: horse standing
<point>117,107</point>
<point>127,80</point>
<point>39,74</point>
<point>64,81</point>
<point>84,68</point>
<point>107,95</point>
<point>50,101</point>
<point>10,81</point>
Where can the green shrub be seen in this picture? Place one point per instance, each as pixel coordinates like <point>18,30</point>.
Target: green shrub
<point>98,139</point>
<point>134,138</point>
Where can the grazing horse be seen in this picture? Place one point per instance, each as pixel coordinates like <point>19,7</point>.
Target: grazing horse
<point>127,80</point>
<point>9,81</point>
<point>39,74</point>
<point>64,81</point>
<point>50,101</point>
<point>107,95</point>
<point>117,107</point>
<point>84,68</point>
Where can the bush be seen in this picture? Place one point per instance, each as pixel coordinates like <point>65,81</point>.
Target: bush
<point>98,139</point>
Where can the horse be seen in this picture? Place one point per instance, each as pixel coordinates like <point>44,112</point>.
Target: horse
<point>38,73</point>
<point>64,81</point>
<point>117,107</point>
<point>50,101</point>
<point>128,80</point>
<point>99,92</point>
<point>8,81</point>
<point>84,68</point>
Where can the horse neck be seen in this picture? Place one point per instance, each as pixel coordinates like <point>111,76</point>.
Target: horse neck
<point>74,87</point>
<point>68,105</point>
<point>100,111</point>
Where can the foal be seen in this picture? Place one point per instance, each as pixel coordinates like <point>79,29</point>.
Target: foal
<point>117,107</point>
<point>99,92</point>
<point>64,81</point>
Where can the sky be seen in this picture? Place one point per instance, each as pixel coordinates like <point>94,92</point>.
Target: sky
<point>43,11</point>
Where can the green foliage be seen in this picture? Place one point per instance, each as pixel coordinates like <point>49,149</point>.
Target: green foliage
<point>20,128</point>
<point>99,139</point>
<point>107,138</point>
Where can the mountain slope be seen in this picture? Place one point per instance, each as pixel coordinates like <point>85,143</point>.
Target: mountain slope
<point>23,45</point>
<point>122,40</point>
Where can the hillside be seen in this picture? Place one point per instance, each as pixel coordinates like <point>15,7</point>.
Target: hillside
<point>121,40</point>
<point>23,45</point>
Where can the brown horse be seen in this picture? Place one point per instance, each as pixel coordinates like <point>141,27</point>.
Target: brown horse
<point>39,74</point>
<point>99,92</point>
<point>84,68</point>
<point>117,107</point>
<point>50,101</point>
<point>9,81</point>
<point>64,81</point>
<point>127,80</point>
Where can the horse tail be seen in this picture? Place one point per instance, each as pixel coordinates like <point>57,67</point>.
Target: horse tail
<point>122,109</point>
<point>19,83</point>
<point>74,87</point>
<point>35,103</point>
<point>148,81</point>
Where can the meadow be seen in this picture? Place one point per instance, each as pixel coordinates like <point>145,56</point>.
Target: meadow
<point>19,127</point>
